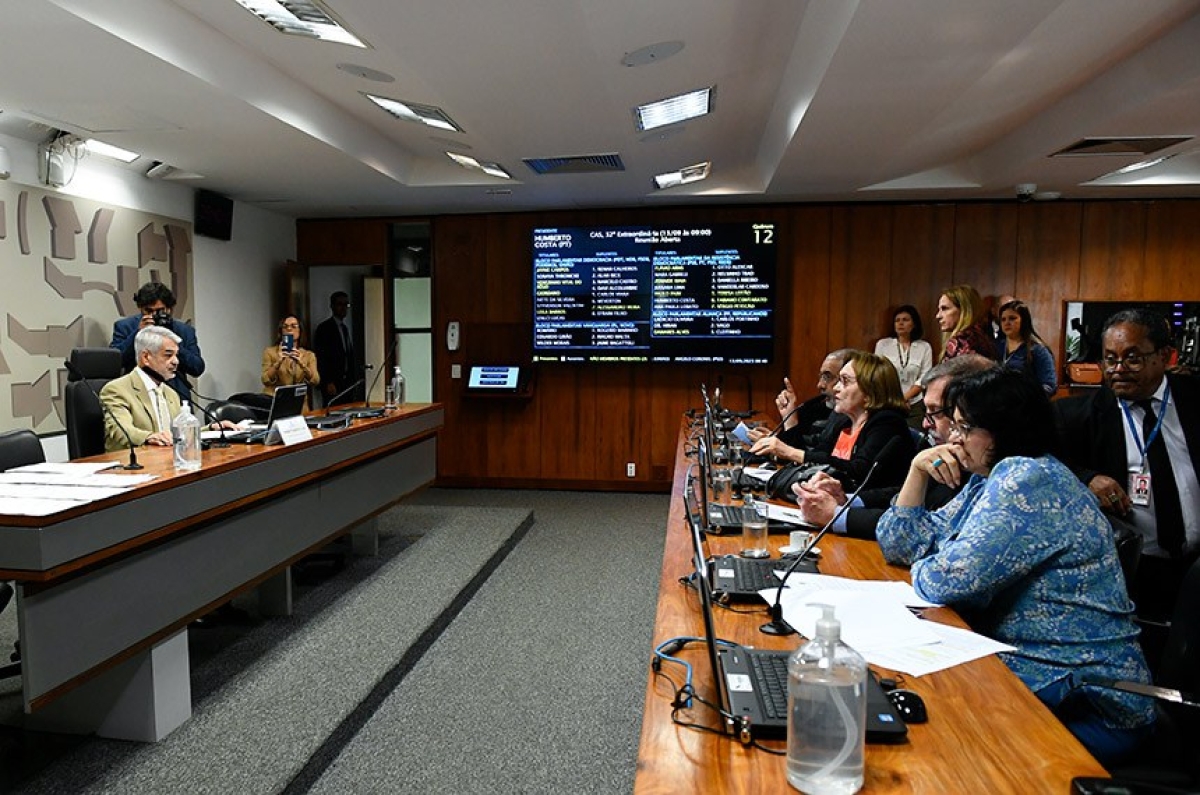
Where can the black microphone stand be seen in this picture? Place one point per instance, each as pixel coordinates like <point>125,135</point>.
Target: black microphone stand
<point>133,462</point>
<point>221,442</point>
<point>777,625</point>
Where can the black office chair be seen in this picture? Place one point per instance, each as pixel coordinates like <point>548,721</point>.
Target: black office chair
<point>258,402</point>
<point>17,448</point>
<point>85,418</point>
<point>234,412</point>
<point>1169,759</point>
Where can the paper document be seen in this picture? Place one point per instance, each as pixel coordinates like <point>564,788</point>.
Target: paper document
<point>869,621</point>
<point>110,479</point>
<point>70,468</point>
<point>741,433</point>
<point>34,506</point>
<point>758,473</point>
<point>785,513</point>
<point>955,646</point>
<point>74,493</point>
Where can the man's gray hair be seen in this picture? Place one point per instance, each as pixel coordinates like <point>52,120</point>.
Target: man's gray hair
<point>151,339</point>
<point>841,356</point>
<point>957,367</point>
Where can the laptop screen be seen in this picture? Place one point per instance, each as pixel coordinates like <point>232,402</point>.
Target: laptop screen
<point>704,592</point>
<point>287,402</point>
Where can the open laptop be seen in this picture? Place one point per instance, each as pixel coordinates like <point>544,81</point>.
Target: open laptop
<point>733,578</point>
<point>288,401</point>
<point>752,683</point>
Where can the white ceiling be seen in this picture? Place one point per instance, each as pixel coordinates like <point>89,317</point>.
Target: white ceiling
<point>842,100</point>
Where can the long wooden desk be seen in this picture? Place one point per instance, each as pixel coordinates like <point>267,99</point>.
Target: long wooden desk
<point>987,732</point>
<point>105,591</point>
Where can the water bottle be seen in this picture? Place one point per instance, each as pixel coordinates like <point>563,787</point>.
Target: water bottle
<point>398,386</point>
<point>185,430</point>
<point>827,711</point>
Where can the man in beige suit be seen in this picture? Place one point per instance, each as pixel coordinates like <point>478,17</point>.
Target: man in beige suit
<point>139,400</point>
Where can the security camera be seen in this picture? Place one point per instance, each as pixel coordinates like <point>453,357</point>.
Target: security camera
<point>1025,191</point>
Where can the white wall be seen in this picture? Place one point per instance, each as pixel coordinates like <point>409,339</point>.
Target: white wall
<point>234,282</point>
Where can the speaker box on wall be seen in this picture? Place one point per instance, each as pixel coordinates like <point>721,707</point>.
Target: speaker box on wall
<point>214,215</point>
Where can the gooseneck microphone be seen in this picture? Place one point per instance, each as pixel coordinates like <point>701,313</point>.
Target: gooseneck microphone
<point>777,625</point>
<point>330,403</point>
<point>133,462</point>
<point>221,442</point>
<point>382,368</point>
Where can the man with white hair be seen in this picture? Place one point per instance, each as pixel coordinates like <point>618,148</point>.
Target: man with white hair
<point>140,401</point>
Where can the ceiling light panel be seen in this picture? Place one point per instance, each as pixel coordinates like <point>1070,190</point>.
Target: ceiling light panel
<point>301,18</point>
<point>683,176</point>
<point>108,150</point>
<point>491,169</point>
<point>673,110</point>
<point>412,111</point>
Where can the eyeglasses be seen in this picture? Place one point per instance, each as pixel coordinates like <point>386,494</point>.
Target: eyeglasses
<point>932,416</point>
<point>847,381</point>
<point>963,429</point>
<point>1131,361</point>
<point>825,378</point>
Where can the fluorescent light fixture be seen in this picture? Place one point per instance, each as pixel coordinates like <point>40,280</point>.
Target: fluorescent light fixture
<point>683,176</point>
<point>411,111</point>
<point>1129,169</point>
<point>673,110</point>
<point>301,18</point>
<point>108,150</point>
<point>492,169</point>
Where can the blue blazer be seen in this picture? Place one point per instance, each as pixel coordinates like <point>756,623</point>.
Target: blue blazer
<point>191,363</point>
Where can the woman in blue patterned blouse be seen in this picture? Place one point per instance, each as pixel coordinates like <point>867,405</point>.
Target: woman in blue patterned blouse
<point>1026,556</point>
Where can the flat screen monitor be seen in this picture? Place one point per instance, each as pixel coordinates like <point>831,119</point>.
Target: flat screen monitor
<point>697,294</point>
<point>496,379</point>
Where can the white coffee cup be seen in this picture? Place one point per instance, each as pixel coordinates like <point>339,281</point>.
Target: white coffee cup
<point>798,539</point>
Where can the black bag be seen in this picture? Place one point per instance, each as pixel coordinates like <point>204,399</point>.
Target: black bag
<point>779,487</point>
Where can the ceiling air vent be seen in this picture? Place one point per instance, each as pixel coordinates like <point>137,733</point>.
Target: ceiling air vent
<point>1132,145</point>
<point>575,164</point>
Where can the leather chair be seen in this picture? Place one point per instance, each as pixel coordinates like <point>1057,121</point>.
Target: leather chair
<point>17,448</point>
<point>85,418</point>
<point>234,412</point>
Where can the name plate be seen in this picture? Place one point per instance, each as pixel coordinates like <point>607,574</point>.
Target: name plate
<point>289,431</point>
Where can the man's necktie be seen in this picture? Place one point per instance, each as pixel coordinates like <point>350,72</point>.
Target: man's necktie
<point>1168,511</point>
<point>164,413</point>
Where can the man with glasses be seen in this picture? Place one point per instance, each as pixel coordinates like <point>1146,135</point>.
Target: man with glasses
<point>156,303</point>
<point>1134,441</point>
<point>802,422</point>
<point>821,496</point>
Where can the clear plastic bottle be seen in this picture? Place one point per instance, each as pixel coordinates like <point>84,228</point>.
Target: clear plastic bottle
<point>185,431</point>
<point>398,385</point>
<point>827,711</point>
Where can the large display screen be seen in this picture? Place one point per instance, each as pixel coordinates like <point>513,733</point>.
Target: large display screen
<point>701,294</point>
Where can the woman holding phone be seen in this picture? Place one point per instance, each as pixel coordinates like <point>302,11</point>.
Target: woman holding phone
<point>286,362</point>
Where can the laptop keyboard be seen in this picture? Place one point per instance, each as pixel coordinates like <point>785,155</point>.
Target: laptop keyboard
<point>728,515</point>
<point>770,682</point>
<point>754,575</point>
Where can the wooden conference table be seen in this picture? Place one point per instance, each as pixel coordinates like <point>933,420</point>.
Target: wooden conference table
<point>105,591</point>
<point>987,732</point>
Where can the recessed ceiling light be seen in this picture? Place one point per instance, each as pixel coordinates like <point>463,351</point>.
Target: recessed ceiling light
<point>683,176</point>
<point>411,111</point>
<point>652,54</point>
<point>301,18</point>
<point>673,110</point>
<point>492,169</point>
<point>108,150</point>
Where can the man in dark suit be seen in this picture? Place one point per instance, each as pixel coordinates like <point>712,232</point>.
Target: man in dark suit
<point>802,422</point>
<point>821,496</point>
<point>1134,441</point>
<point>156,303</point>
<point>333,343</point>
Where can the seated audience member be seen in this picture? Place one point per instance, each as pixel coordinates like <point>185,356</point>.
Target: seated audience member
<point>1134,442</point>
<point>283,366</point>
<point>963,322</point>
<point>871,412</point>
<point>911,355</point>
<point>802,422</point>
<point>155,303</point>
<point>1020,347</point>
<point>820,497</point>
<point>1026,556</point>
<point>142,401</point>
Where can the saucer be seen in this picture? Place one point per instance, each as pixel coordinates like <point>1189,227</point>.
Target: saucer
<point>791,550</point>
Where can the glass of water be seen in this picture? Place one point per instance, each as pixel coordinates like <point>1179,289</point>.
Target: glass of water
<point>754,529</point>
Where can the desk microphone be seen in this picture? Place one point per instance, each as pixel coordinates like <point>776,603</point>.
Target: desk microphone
<point>382,368</point>
<point>133,462</point>
<point>329,403</point>
<point>222,442</point>
<point>777,626</point>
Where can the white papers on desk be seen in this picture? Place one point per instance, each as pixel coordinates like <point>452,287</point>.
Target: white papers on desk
<point>68,468</point>
<point>786,513</point>
<point>41,490</point>
<point>877,623</point>
<point>758,473</point>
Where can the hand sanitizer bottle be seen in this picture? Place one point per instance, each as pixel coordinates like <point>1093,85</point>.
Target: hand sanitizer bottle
<point>185,431</point>
<point>827,711</point>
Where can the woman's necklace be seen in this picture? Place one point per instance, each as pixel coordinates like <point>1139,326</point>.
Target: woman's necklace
<point>905,354</point>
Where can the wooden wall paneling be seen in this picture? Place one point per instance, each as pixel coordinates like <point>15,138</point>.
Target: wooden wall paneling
<point>617,406</point>
<point>1172,251</point>
<point>567,416</point>
<point>985,247</point>
<point>361,241</point>
<point>922,262</point>
<point>1113,251</point>
<point>809,278</point>
<point>1048,265</point>
<point>859,274</point>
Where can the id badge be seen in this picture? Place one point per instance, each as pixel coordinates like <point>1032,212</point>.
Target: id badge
<point>1139,488</point>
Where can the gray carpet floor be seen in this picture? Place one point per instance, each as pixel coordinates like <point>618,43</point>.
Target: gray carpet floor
<point>535,684</point>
